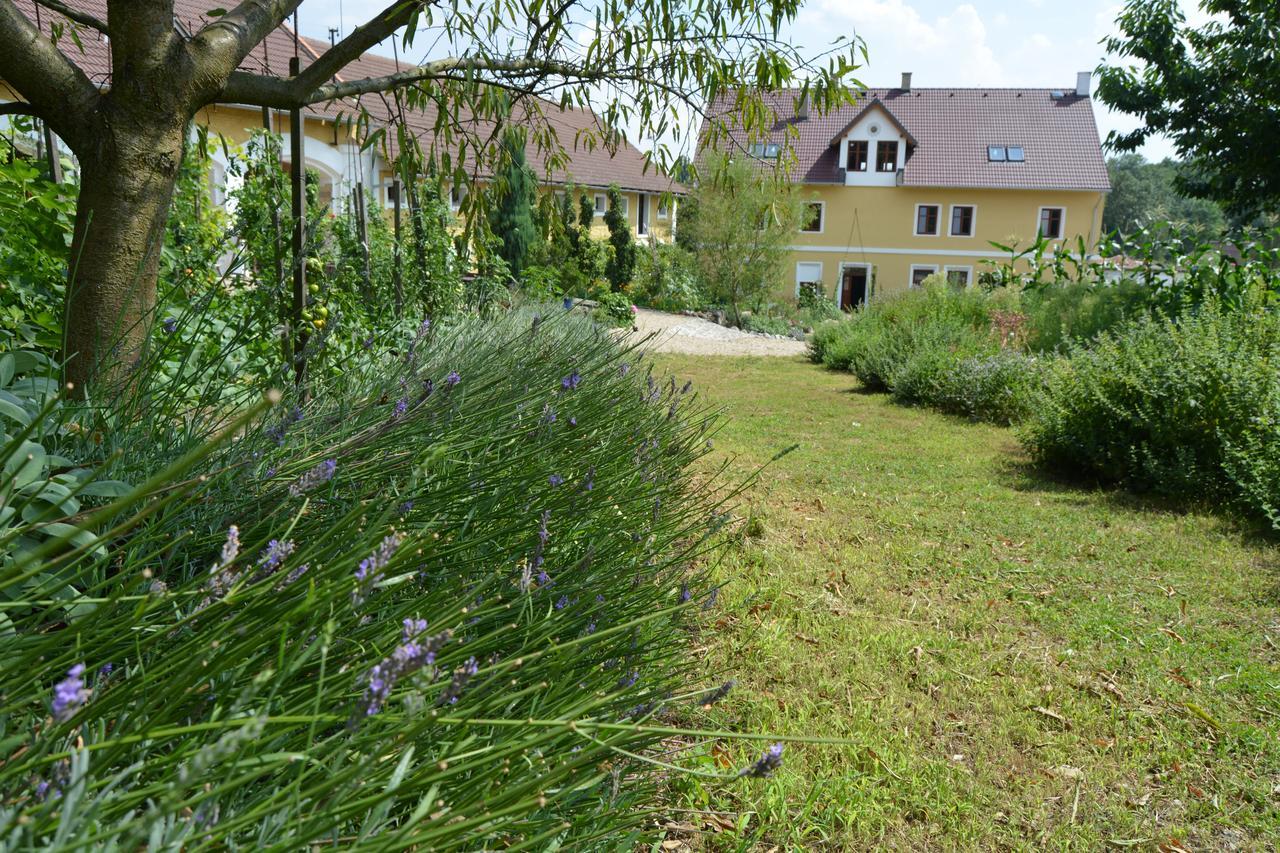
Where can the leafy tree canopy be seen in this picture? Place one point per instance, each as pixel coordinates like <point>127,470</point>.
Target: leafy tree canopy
<point>1214,90</point>
<point>1144,193</point>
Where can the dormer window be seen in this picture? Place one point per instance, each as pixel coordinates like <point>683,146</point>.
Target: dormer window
<point>765,150</point>
<point>887,157</point>
<point>857,156</point>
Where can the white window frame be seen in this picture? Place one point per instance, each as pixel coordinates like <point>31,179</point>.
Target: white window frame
<point>1062,222</point>
<point>973,220</point>
<point>915,220</point>
<point>664,208</point>
<point>600,203</point>
<point>911,273</point>
<point>844,265</point>
<point>896,162</point>
<point>642,206</point>
<point>387,201</point>
<point>820,279</point>
<point>822,217</point>
<point>967,270</point>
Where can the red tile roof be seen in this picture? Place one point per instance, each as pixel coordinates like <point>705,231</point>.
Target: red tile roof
<point>594,167</point>
<point>952,129</point>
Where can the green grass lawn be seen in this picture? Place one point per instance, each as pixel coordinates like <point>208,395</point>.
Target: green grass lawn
<point>1019,663</point>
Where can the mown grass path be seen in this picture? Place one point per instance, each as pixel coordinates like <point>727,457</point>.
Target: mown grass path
<point>1022,663</point>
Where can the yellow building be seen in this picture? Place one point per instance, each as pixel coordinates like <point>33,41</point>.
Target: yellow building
<point>333,149</point>
<point>909,182</point>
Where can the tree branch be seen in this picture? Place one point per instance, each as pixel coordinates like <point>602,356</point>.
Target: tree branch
<point>19,108</point>
<point>77,15</point>
<point>50,82</point>
<point>222,44</point>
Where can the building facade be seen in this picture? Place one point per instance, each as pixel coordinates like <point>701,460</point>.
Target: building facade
<point>334,151</point>
<point>905,183</point>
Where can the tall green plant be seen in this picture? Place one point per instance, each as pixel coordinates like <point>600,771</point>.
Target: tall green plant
<point>511,217</point>
<point>621,263</point>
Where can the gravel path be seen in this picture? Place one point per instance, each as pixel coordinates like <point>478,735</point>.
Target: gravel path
<point>695,336</point>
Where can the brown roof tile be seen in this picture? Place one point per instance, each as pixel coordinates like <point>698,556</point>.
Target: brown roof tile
<point>952,129</point>
<point>595,167</point>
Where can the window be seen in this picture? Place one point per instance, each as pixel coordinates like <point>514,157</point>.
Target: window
<point>959,277</point>
<point>664,208</point>
<point>393,189</point>
<point>961,220</point>
<point>926,220</point>
<point>857,156</point>
<point>1051,221</point>
<point>815,212</point>
<point>808,272</point>
<point>601,203</point>
<point>886,156</point>
<point>919,272</point>
<point>1006,154</point>
<point>642,215</point>
<point>765,150</point>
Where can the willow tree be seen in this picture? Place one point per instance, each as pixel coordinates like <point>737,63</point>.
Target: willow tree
<point>501,59</point>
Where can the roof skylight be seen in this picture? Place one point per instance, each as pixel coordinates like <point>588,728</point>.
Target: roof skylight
<point>1006,154</point>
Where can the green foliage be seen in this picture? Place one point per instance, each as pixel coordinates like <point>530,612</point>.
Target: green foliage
<point>238,603</point>
<point>666,278</point>
<point>621,263</point>
<point>998,388</point>
<point>615,309</point>
<point>1065,312</point>
<point>1205,88</point>
<point>766,324</point>
<point>36,219</point>
<point>741,223</point>
<point>1185,407</point>
<point>1143,194</point>
<point>813,305</point>
<point>511,217</point>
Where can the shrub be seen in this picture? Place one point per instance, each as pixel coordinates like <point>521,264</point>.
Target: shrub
<point>998,388</point>
<point>615,309</point>
<point>238,658</point>
<point>766,324</point>
<point>666,279</point>
<point>1188,408</point>
<point>1070,312</point>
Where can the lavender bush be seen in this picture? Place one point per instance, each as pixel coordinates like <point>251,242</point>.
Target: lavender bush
<point>382,626</point>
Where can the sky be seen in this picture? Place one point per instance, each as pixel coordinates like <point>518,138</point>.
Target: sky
<point>1031,43</point>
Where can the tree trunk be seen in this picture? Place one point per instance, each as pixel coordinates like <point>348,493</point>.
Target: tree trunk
<point>126,184</point>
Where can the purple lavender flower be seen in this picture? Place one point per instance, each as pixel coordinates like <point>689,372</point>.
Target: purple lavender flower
<point>570,382</point>
<point>368,342</point>
<point>562,602</point>
<point>318,475</point>
<point>629,680</point>
<point>556,480</point>
<point>688,386</point>
<point>711,697</point>
<point>230,548</point>
<point>428,387</point>
<point>170,325</point>
<point>711,599</point>
<point>69,694</point>
<point>685,595</point>
<point>272,556</point>
<point>370,570</point>
<point>402,406</point>
<point>42,789</point>
<point>409,657</point>
<point>452,379</point>
<point>295,574</point>
<point>105,670</point>
<point>591,627</point>
<point>599,598</point>
<point>548,414</point>
<point>405,508</point>
<point>461,676</point>
<point>589,482</point>
<point>573,421</point>
<point>769,761</point>
<point>568,303</point>
<point>624,369</point>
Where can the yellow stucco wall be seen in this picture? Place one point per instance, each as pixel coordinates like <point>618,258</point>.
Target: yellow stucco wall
<point>876,226</point>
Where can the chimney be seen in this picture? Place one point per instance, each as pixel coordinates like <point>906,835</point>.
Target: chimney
<point>1082,83</point>
<point>906,81</point>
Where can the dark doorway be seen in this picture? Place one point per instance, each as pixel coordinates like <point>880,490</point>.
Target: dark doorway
<point>853,288</point>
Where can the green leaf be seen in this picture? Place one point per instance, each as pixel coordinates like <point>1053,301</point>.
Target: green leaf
<point>106,488</point>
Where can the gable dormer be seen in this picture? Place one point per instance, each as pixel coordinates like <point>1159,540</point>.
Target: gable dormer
<point>872,149</point>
